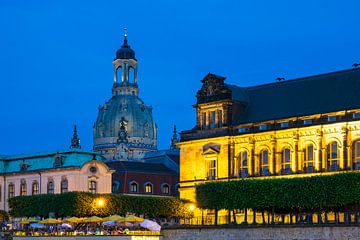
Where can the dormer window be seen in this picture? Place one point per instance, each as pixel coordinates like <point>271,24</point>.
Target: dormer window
<point>356,115</point>
<point>263,127</point>
<point>284,124</point>
<point>58,160</point>
<point>331,118</point>
<point>308,121</point>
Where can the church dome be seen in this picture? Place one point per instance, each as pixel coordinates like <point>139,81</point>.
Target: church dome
<point>125,128</point>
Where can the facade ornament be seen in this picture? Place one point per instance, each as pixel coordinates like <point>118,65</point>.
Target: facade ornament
<point>24,166</point>
<point>123,135</point>
<point>75,140</point>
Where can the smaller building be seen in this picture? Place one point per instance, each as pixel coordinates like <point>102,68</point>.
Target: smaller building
<point>53,172</point>
<point>157,174</point>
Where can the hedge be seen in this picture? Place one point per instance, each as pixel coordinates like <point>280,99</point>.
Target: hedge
<point>337,192</point>
<point>82,204</point>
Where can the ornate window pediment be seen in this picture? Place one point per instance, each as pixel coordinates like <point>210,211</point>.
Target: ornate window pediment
<point>211,148</point>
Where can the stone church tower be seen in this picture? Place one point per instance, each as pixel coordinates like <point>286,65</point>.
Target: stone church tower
<point>125,128</point>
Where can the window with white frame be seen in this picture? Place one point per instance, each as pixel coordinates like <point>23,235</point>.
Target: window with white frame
<point>264,163</point>
<point>286,161</point>
<point>309,158</point>
<point>333,156</point>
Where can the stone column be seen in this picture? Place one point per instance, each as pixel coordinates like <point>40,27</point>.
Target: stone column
<point>296,154</point>
<point>272,164</point>
<point>251,160</point>
<point>318,157</point>
<point>324,159</point>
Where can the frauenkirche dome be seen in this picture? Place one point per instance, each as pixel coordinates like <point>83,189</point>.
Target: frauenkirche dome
<point>125,128</point>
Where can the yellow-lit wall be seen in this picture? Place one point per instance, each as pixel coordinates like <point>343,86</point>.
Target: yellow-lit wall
<point>194,152</point>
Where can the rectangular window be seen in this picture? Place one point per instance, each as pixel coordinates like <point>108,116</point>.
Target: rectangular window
<point>243,130</point>
<point>203,119</point>
<point>11,190</point>
<point>331,118</point>
<point>263,127</point>
<point>92,187</point>
<point>308,121</point>
<point>284,124</point>
<point>212,119</point>
<point>356,115</point>
<point>211,169</point>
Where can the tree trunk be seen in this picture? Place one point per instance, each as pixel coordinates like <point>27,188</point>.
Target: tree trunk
<point>326,218</point>
<point>234,215</point>
<point>245,216</point>
<point>291,219</point>
<point>320,218</point>
<point>254,217</point>
<point>263,217</point>
<point>216,217</point>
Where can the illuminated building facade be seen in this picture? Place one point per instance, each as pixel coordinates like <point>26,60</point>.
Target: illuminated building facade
<point>53,172</point>
<point>301,127</point>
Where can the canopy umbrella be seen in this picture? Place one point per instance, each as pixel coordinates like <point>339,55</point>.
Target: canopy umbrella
<point>74,220</point>
<point>151,225</point>
<point>25,221</point>
<point>132,218</point>
<point>93,219</point>
<point>36,225</point>
<point>114,218</point>
<point>33,220</point>
<point>66,225</point>
<point>50,221</point>
<point>109,223</point>
<point>28,221</point>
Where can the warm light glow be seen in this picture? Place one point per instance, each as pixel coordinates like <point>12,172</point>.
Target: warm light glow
<point>192,207</point>
<point>100,202</point>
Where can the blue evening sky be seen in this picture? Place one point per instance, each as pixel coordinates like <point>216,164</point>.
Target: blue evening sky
<point>56,57</point>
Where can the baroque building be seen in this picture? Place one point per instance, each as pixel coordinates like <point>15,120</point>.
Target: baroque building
<point>125,133</point>
<point>125,128</point>
<point>301,127</point>
<point>53,172</point>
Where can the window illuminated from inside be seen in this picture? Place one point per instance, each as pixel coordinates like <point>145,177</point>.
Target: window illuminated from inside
<point>23,191</point>
<point>35,188</point>
<point>309,158</point>
<point>148,188</point>
<point>92,187</point>
<point>11,190</point>
<point>211,168</point>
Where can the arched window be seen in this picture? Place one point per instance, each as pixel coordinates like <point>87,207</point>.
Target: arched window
<point>286,161</point>
<point>309,158</point>
<point>148,187</point>
<point>11,190</point>
<point>35,188</point>
<point>23,191</point>
<point>333,158</point>
<point>92,187</point>
<point>264,163</point>
<point>64,185</point>
<point>133,187</point>
<point>50,187</point>
<point>165,188</point>
<point>244,164</point>
<point>356,155</point>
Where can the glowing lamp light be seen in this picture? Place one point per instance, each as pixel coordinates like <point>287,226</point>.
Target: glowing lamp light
<point>192,207</point>
<point>100,202</point>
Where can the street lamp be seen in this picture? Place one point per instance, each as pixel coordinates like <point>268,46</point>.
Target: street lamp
<point>100,202</point>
